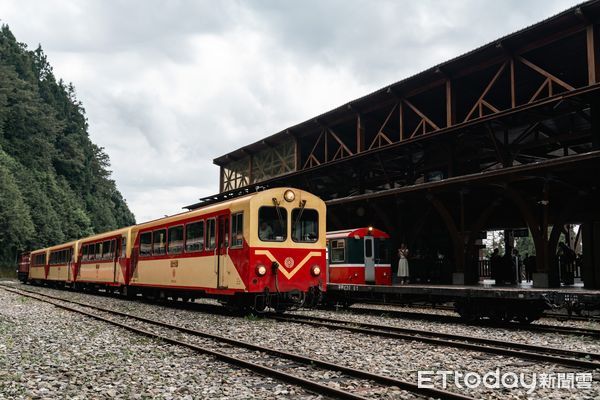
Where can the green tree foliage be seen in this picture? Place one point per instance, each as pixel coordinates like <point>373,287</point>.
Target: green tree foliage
<point>55,184</point>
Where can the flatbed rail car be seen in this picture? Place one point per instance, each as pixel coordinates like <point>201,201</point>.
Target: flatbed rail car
<point>359,256</point>
<point>472,302</point>
<point>262,249</point>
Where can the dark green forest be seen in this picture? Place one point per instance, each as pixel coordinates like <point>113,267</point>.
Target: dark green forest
<point>55,184</point>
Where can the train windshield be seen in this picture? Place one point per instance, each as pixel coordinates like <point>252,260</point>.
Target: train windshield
<point>305,225</point>
<point>272,224</point>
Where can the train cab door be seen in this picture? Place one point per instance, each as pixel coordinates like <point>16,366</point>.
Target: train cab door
<point>222,250</point>
<point>369,260</point>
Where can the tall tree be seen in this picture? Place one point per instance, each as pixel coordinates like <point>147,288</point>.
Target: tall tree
<point>55,184</point>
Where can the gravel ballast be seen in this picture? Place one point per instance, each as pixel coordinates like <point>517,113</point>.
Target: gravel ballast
<point>398,358</point>
<point>50,353</point>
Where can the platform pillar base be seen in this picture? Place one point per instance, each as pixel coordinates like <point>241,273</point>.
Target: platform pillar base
<point>541,280</point>
<point>458,278</point>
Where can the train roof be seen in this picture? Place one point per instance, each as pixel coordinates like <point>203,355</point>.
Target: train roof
<point>105,234</point>
<point>55,247</point>
<point>358,233</point>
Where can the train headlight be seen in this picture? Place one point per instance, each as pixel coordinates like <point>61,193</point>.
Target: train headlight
<point>316,270</point>
<point>261,270</point>
<point>289,195</point>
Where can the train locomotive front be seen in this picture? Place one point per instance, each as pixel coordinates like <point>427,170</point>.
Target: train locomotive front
<point>286,249</point>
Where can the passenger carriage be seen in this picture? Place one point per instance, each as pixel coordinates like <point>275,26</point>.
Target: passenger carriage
<point>53,264</point>
<point>359,256</point>
<point>102,260</point>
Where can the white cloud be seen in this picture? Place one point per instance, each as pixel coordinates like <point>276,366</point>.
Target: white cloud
<point>170,85</point>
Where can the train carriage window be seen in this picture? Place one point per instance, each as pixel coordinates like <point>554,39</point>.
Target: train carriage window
<point>106,250</point>
<point>84,252</point>
<point>305,225</point>
<point>338,251</point>
<point>91,251</point>
<point>368,247</point>
<point>160,242</point>
<point>69,256</point>
<point>112,249</point>
<point>225,229</point>
<point>52,258</point>
<point>272,224</point>
<point>98,251</point>
<point>237,230</point>
<point>123,247</point>
<point>194,236</point>
<point>39,259</point>
<point>175,240</point>
<point>211,239</point>
<point>146,244</point>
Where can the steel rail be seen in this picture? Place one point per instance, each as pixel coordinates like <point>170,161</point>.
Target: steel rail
<point>514,349</point>
<point>320,388</point>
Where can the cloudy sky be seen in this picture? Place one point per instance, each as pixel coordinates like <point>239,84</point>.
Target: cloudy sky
<point>170,85</point>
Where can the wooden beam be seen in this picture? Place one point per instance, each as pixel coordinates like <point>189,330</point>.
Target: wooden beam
<point>249,170</point>
<point>401,120</point>
<point>449,107</point>
<point>388,118</point>
<point>360,134</point>
<point>513,101</point>
<point>311,156</point>
<point>342,145</point>
<point>221,180</point>
<point>480,100</point>
<point>326,147</point>
<point>546,74</point>
<point>297,153</point>
<point>420,114</point>
<point>591,54</point>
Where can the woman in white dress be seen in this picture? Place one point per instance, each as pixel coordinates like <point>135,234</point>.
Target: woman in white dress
<point>403,264</point>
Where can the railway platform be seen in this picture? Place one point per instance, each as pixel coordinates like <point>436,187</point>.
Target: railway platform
<point>519,302</point>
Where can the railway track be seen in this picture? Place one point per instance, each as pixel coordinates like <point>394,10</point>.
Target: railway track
<point>229,351</point>
<point>505,348</point>
<point>457,320</point>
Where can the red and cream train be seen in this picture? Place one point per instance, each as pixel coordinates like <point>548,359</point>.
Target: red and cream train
<point>359,256</point>
<point>262,249</point>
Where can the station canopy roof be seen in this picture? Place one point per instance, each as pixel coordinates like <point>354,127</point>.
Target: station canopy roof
<point>487,54</point>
